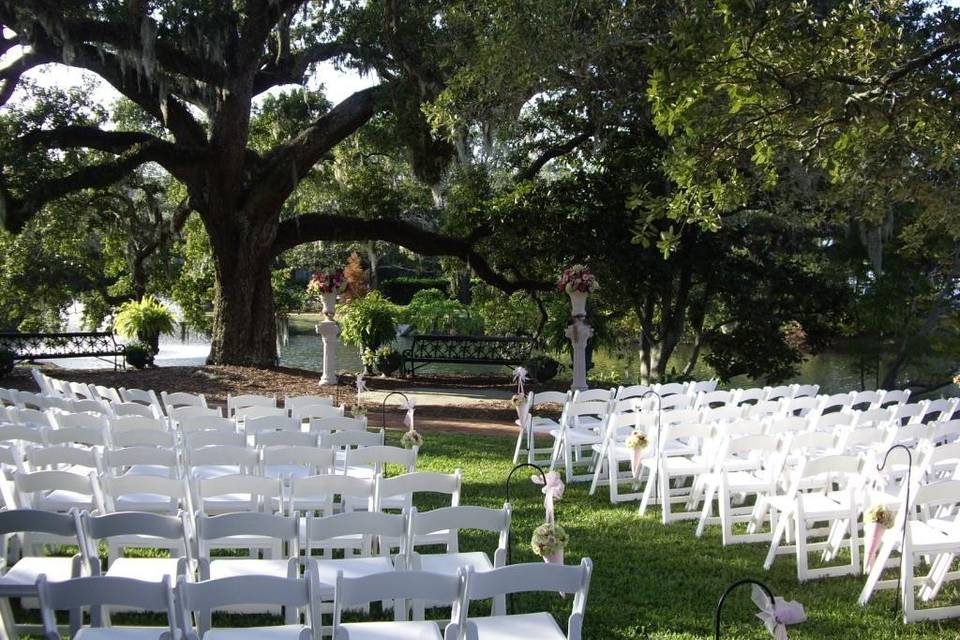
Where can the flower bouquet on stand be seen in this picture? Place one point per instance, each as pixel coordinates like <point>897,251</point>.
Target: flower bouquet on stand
<point>549,541</point>
<point>578,281</point>
<point>637,442</point>
<point>411,438</point>
<point>876,520</point>
<point>323,287</point>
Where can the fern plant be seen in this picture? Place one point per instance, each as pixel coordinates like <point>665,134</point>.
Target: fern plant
<point>145,320</point>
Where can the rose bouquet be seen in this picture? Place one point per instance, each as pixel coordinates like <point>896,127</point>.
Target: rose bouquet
<point>577,278</point>
<point>326,281</point>
<point>636,442</point>
<point>411,439</point>
<point>548,542</point>
<point>876,520</point>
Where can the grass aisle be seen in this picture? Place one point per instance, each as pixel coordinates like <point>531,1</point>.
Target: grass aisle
<point>652,581</point>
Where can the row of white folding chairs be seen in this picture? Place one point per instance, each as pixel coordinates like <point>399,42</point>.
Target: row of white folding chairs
<point>264,531</point>
<point>186,605</point>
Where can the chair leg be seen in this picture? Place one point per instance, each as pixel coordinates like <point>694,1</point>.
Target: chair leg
<point>778,534</point>
<point>707,510</point>
<point>906,582</point>
<point>652,479</point>
<point>665,498</point>
<point>519,447</point>
<point>801,534</point>
<point>7,623</point>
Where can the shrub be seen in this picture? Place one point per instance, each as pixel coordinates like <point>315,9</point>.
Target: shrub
<point>402,289</point>
<point>542,368</point>
<point>145,320</point>
<point>502,314</point>
<point>7,361</point>
<point>431,311</point>
<point>139,355</point>
<point>388,360</point>
<point>368,322</point>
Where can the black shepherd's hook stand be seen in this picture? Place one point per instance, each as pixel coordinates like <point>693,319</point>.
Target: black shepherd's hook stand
<point>543,477</point>
<point>383,407</point>
<point>659,445</point>
<point>723,599</point>
<point>906,506</point>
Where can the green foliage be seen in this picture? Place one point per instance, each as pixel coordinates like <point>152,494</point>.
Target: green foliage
<point>542,368</point>
<point>368,322</point>
<point>7,362</point>
<point>431,311</point>
<point>388,360</point>
<point>401,289</point>
<point>193,290</point>
<point>144,319</point>
<point>288,294</point>
<point>139,354</point>
<point>504,315</point>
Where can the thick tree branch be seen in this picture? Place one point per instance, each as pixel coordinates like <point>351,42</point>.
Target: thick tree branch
<point>531,171</point>
<point>292,68</point>
<point>936,55</point>
<point>310,228</point>
<point>89,138</point>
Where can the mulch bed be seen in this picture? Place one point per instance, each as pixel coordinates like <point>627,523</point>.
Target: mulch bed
<point>215,382</point>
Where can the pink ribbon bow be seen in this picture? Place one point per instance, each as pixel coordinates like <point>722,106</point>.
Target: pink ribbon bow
<point>409,405</point>
<point>779,615</point>
<point>361,384</point>
<point>520,376</point>
<point>552,490</point>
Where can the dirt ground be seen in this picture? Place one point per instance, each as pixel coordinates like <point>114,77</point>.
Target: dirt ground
<point>215,382</point>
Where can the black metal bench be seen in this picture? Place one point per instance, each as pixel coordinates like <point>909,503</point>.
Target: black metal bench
<point>431,348</point>
<point>47,346</point>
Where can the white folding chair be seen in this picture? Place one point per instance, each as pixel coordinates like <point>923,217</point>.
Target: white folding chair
<point>678,457</point>
<point>536,424</point>
<point>520,578</point>
<point>248,400</point>
<point>144,438</point>
<point>137,530</point>
<point>108,394</point>
<point>151,493</point>
<point>179,414</point>
<point>577,433</point>
<point>286,462</point>
<point>268,439</point>
<point>404,588</point>
<point>319,494</point>
<point>366,462</point>
<point>823,490</point>
<point>238,492</point>
<point>195,601</point>
<point>58,491</point>
<point>397,494</point>
<point>145,397</point>
<point>273,536</point>
<point>210,461</point>
<point>895,397</point>
<point>293,402</point>
<point>133,409</point>
<point>19,579</point>
<point>95,593</point>
<point>254,426</point>
<point>310,411</point>
<point>448,522</point>
<point>249,413</point>
<point>181,399</point>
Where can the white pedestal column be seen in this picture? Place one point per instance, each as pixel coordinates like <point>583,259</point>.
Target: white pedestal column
<point>579,333</point>
<point>329,332</point>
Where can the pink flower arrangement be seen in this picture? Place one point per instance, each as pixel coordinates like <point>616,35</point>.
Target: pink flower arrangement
<point>577,278</point>
<point>326,281</point>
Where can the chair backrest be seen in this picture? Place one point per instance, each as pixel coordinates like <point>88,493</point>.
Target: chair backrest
<point>786,425</point>
<point>181,399</point>
<point>741,428</point>
<point>217,531</point>
<point>835,402</point>
<point>42,381</point>
<point>319,493</point>
<point>864,400</point>
<point>836,421</point>
<point>293,402</point>
<point>89,420</point>
<point>200,597</point>
<point>28,485</point>
<point>722,414</point>
<point>782,391</point>
<point>108,393</point>
<point>832,466</point>
<point>670,388</point>
<point>451,520</point>
<point>935,494</point>
<point>907,413</point>
<point>337,423</point>
<point>311,411</point>
<point>148,528</point>
<point>800,405</point>
<point>178,414</point>
<point>207,423</point>
<point>632,391</point>
<point>406,485</point>
<point>750,396</point>
<point>143,490</point>
<point>940,410</point>
<point>133,409</point>
<point>520,578</point>
<point>318,461</point>
<point>550,397</point>
<point>137,423</point>
<point>377,457</point>
<point>91,406</point>
<point>97,592</point>
<point>591,395</point>
<point>81,391</point>
<point>696,386</point>
<point>30,400</point>
<point>328,531</point>
<point>37,521</point>
<point>893,397</point>
<point>119,460</point>
<point>710,399</point>
<point>405,585</point>
<point>22,433</point>
<point>89,436</point>
<point>285,439</point>
<point>61,457</point>
<point>806,390</point>
<point>36,417</point>
<point>945,432</point>
<point>351,439</point>
<point>142,396</point>
<point>249,400</point>
<point>198,439</point>
<point>247,493</point>
<point>876,417</point>
<point>253,426</point>
<point>223,455</point>
<point>144,438</point>
<point>258,411</point>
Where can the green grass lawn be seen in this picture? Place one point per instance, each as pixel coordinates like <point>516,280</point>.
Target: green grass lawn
<point>652,581</point>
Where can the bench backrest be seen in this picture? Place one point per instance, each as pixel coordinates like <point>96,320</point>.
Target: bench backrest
<point>29,346</point>
<point>492,349</point>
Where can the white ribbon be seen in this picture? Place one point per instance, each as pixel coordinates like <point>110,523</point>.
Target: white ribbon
<point>520,376</point>
<point>409,405</point>
<point>552,490</point>
<point>777,616</point>
<point>361,385</point>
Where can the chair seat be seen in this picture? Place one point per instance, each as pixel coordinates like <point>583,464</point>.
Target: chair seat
<point>149,569</point>
<point>544,425</point>
<point>409,630</point>
<point>448,563</point>
<point>286,471</point>
<point>821,506</point>
<point>122,633</point>
<point>22,577</point>
<point>159,470</point>
<point>526,626</point>
<point>207,471</point>
<point>229,568</point>
<point>326,570</point>
<point>62,501</point>
<point>924,537</point>
<point>578,437</point>
<point>153,502</point>
<point>282,632</point>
